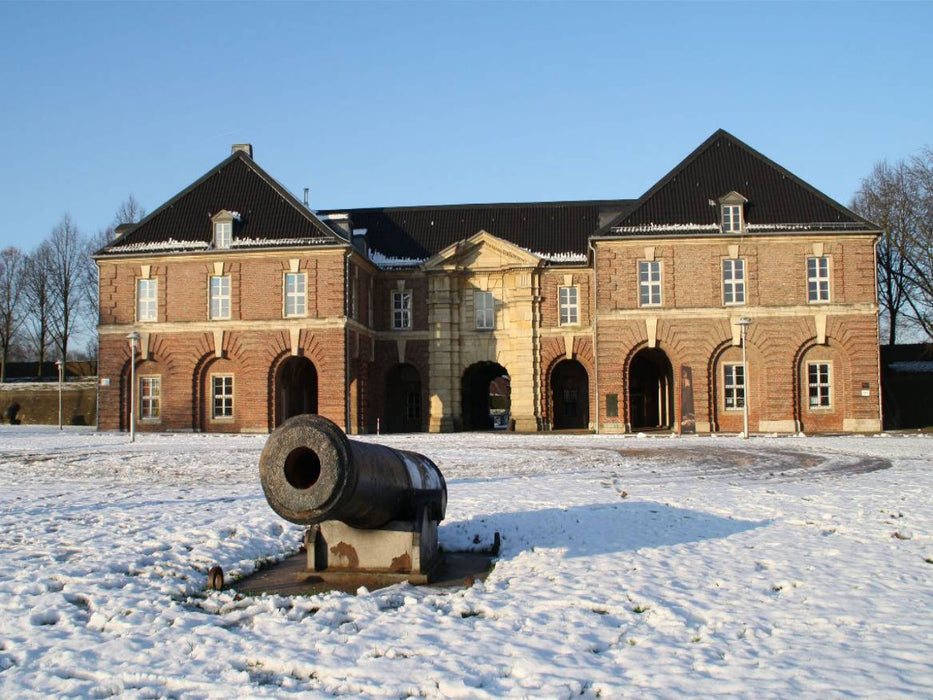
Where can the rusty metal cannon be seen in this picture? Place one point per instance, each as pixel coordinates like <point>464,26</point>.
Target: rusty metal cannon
<point>371,509</point>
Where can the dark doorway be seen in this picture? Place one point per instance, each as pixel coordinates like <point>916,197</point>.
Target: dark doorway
<point>651,390</point>
<point>570,396</point>
<point>295,389</point>
<point>402,412</point>
<point>486,395</point>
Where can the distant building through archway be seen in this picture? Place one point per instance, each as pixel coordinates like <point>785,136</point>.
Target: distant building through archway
<point>486,396</point>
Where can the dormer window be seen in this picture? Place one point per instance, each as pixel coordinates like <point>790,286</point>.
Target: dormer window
<point>731,218</point>
<point>223,228</point>
<point>732,209</point>
<point>223,234</point>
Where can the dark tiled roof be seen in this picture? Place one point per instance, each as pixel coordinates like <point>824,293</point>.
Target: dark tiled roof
<point>269,214</point>
<point>551,228</point>
<point>723,164</point>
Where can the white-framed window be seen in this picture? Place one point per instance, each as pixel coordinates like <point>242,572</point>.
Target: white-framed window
<point>223,234</point>
<point>146,299</point>
<point>733,281</point>
<point>817,279</point>
<point>731,218</point>
<point>220,297</point>
<point>296,293</point>
<point>222,396</point>
<point>819,384</point>
<point>649,282</point>
<point>150,397</point>
<point>733,384</point>
<point>485,307</point>
<point>568,302</point>
<point>401,309</point>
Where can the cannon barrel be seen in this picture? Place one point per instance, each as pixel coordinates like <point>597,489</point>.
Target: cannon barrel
<point>311,472</point>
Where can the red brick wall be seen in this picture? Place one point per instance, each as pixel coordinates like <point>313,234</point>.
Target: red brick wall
<point>551,281</point>
<point>780,342</point>
<point>185,359</point>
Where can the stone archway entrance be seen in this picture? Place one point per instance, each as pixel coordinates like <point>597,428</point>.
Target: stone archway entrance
<point>570,396</point>
<point>402,407</point>
<point>486,397</point>
<point>651,390</point>
<point>295,389</point>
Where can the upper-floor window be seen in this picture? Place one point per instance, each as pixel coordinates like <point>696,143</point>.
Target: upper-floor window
<point>222,391</point>
<point>401,309</point>
<point>818,384</point>
<point>817,279</point>
<point>731,218</point>
<point>733,281</point>
<point>649,282</point>
<point>223,234</point>
<point>733,383</point>
<point>569,305</point>
<point>485,310</point>
<point>220,297</point>
<point>296,285</point>
<point>146,294</point>
<point>150,397</point>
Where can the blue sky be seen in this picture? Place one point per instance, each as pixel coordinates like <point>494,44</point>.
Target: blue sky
<point>377,104</point>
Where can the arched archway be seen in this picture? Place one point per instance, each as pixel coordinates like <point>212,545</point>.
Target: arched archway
<point>295,389</point>
<point>486,396</point>
<point>650,390</point>
<point>402,408</point>
<point>570,396</point>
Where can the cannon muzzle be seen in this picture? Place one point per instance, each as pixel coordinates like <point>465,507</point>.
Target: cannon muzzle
<point>311,472</point>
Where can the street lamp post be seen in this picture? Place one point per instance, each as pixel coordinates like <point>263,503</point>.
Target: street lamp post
<point>61,377</point>
<point>133,338</point>
<point>744,323</point>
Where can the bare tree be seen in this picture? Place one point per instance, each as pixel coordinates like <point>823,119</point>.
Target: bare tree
<point>38,302</point>
<point>884,198</point>
<point>11,302</point>
<point>130,211</point>
<point>918,246</point>
<point>68,261</point>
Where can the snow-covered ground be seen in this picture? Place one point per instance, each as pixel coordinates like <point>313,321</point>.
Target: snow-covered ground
<point>630,566</point>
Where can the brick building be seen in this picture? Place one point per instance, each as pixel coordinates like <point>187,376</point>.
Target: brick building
<point>615,315</point>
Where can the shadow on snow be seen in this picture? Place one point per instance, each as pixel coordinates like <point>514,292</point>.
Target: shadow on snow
<point>602,528</point>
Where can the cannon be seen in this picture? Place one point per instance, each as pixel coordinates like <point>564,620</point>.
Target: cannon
<point>370,509</point>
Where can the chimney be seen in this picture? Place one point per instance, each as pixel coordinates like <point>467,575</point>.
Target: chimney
<point>247,148</point>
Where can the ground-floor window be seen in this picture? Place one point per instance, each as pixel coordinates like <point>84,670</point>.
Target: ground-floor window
<point>734,386</point>
<point>818,384</point>
<point>150,398</point>
<point>223,396</point>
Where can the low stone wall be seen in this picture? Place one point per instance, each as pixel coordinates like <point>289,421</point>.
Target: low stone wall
<point>38,402</point>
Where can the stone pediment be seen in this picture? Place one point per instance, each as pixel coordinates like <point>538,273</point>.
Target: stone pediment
<point>482,251</point>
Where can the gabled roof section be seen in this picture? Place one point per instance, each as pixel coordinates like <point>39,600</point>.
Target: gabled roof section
<point>686,200</point>
<point>481,251</point>
<point>265,215</point>
<point>557,231</point>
